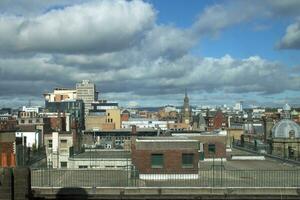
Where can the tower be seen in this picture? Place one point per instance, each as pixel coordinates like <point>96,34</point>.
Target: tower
<point>86,91</point>
<point>286,111</point>
<point>186,112</point>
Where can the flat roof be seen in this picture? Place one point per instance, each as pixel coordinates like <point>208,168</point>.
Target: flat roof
<point>267,164</point>
<point>165,139</point>
<point>107,154</point>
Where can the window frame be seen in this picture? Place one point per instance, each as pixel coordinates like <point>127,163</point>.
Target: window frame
<point>65,162</point>
<point>184,159</point>
<point>157,155</point>
<point>212,148</point>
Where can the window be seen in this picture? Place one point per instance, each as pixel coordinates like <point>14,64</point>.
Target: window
<point>63,144</point>
<point>292,134</point>
<point>187,160</point>
<point>30,121</point>
<point>82,166</point>
<point>63,164</point>
<point>211,148</point>
<point>108,114</point>
<point>49,143</point>
<point>157,160</point>
<point>22,121</point>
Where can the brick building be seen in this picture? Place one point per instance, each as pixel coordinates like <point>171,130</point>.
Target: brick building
<point>167,156</point>
<point>216,120</point>
<point>211,144</point>
<point>7,140</point>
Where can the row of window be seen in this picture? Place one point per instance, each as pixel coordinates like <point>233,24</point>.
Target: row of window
<point>109,120</point>
<point>187,160</point>
<point>30,121</point>
<point>62,142</point>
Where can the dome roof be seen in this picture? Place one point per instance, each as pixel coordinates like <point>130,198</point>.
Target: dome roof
<point>285,129</point>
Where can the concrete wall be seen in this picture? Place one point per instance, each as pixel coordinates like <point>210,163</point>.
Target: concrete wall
<point>15,184</point>
<point>94,122</point>
<point>115,116</point>
<point>98,163</point>
<point>59,151</point>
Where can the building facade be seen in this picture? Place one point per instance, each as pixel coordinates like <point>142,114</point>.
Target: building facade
<point>86,91</point>
<point>165,156</point>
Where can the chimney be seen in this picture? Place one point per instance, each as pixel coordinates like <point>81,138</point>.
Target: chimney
<point>133,130</point>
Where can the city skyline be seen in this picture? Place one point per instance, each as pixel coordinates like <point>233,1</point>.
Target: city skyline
<point>146,53</point>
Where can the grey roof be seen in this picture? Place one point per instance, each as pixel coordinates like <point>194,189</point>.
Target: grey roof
<point>113,154</point>
<point>284,127</point>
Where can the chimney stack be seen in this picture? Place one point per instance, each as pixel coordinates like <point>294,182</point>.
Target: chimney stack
<point>133,130</point>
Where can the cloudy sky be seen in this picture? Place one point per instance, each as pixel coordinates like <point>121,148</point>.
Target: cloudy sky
<point>147,52</point>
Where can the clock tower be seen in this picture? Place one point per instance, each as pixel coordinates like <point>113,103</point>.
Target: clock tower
<point>186,112</point>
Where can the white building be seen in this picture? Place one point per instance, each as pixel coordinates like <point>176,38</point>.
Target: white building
<point>146,123</point>
<point>30,139</point>
<point>239,106</point>
<point>99,158</point>
<point>58,149</point>
<point>36,109</point>
<point>60,94</point>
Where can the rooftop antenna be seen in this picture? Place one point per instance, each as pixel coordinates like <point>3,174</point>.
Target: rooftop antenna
<point>29,103</point>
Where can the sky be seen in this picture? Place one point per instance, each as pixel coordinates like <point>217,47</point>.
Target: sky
<point>146,53</point>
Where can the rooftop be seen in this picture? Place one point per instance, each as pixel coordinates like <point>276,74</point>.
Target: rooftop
<point>101,154</point>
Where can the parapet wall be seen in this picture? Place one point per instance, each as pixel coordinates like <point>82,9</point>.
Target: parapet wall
<point>15,184</point>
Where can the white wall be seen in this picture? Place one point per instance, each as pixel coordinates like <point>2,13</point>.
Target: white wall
<point>31,138</point>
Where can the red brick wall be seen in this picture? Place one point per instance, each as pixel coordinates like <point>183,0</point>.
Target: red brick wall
<point>220,150</point>
<point>124,117</point>
<point>8,125</point>
<point>172,161</point>
<point>54,123</point>
<point>218,120</point>
<point>7,157</point>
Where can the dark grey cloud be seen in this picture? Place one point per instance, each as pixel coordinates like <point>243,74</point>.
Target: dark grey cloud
<point>119,46</point>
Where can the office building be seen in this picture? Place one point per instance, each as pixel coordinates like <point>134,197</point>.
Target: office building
<point>86,91</point>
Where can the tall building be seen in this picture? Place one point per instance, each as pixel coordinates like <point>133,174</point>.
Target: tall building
<point>186,112</point>
<point>86,91</point>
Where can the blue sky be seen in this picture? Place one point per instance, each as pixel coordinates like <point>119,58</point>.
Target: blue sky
<point>257,37</point>
<point>147,52</point>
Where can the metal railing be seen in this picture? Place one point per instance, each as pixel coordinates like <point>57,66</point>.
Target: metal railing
<point>132,178</point>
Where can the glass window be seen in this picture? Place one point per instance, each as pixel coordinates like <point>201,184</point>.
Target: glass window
<point>187,160</point>
<point>157,160</point>
<point>211,148</point>
<point>63,164</point>
<point>49,143</point>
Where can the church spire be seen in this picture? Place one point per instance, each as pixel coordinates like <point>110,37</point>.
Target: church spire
<point>186,98</point>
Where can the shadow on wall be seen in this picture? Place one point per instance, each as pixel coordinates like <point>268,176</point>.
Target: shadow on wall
<point>73,193</point>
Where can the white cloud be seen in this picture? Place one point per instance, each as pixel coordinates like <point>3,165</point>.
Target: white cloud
<point>119,46</point>
<point>103,26</point>
<point>291,39</point>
